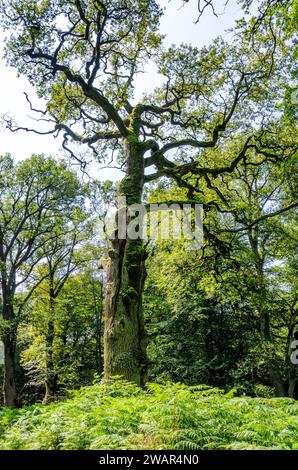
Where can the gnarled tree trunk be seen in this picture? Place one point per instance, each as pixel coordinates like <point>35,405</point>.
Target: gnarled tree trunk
<point>125,338</point>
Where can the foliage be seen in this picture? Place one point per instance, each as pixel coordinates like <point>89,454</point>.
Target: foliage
<point>205,309</point>
<point>41,201</point>
<point>220,128</point>
<point>122,416</point>
<point>75,317</point>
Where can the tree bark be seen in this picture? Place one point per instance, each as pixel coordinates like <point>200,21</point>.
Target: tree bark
<point>277,381</point>
<point>124,338</point>
<point>293,387</point>
<point>9,340</point>
<point>292,368</point>
<point>9,380</point>
<point>98,310</point>
<point>51,376</point>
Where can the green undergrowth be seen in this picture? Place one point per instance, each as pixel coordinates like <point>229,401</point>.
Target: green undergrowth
<point>171,416</point>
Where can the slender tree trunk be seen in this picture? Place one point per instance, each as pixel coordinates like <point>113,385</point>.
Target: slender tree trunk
<point>51,376</point>
<point>9,380</point>
<point>293,386</point>
<point>273,367</point>
<point>9,340</point>
<point>124,337</point>
<point>292,368</point>
<point>98,310</point>
<point>277,381</point>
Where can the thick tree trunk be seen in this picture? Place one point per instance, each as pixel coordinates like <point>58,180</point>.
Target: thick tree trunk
<point>124,337</point>
<point>277,381</point>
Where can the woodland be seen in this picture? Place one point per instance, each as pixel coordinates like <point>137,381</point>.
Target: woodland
<point>113,342</point>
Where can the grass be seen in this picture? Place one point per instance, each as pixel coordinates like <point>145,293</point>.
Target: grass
<point>171,416</point>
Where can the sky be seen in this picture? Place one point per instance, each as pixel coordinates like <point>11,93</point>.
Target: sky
<point>179,26</point>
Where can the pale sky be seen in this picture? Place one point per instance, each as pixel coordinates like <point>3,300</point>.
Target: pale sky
<point>178,25</point>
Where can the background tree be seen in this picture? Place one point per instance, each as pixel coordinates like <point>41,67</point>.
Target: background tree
<point>76,348</point>
<point>242,286</point>
<point>38,196</point>
<point>61,260</point>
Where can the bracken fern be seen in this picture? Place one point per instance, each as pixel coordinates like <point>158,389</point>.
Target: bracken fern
<point>170,416</point>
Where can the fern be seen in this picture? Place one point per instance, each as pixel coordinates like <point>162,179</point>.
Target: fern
<point>169,416</point>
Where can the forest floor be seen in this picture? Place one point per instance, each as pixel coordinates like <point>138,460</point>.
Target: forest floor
<point>171,416</point>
